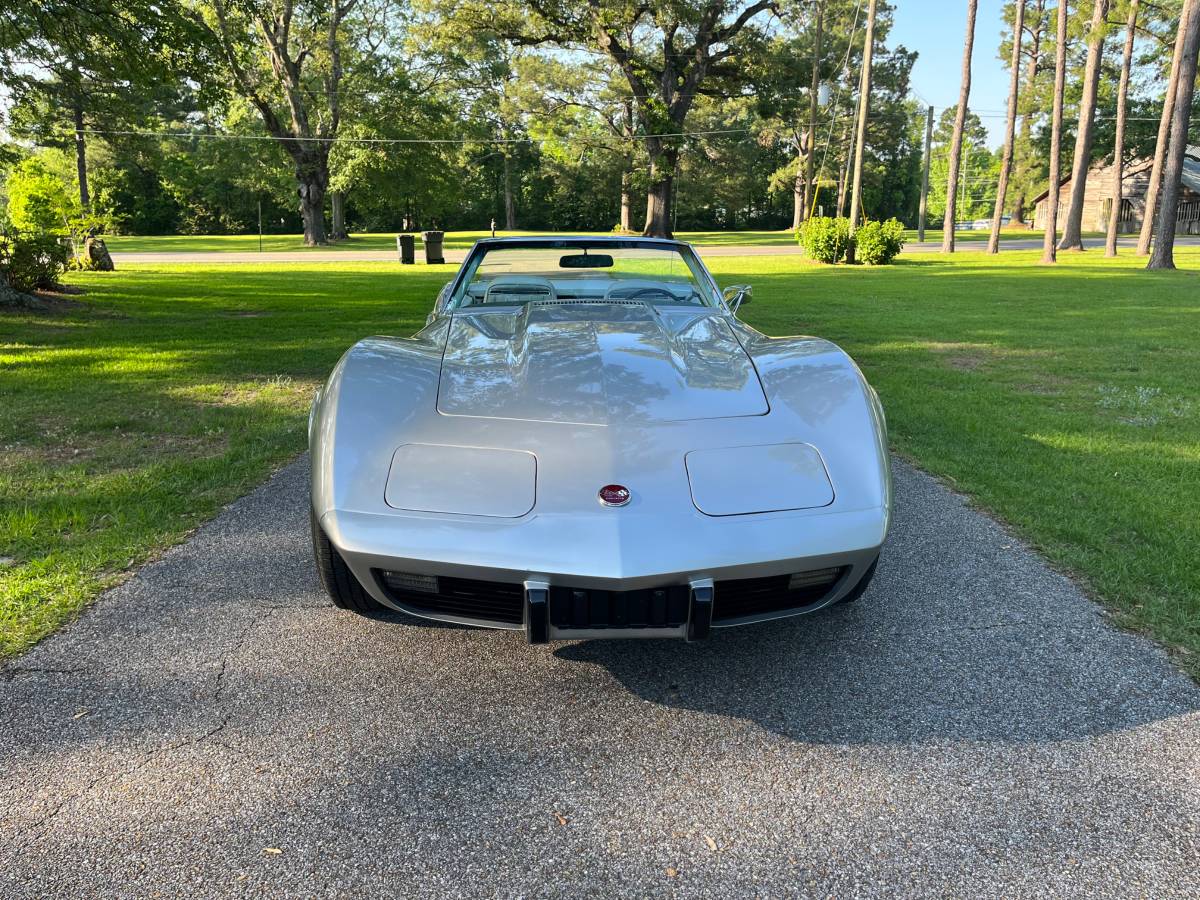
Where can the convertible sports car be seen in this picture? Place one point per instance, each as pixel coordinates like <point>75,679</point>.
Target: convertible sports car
<point>583,442</point>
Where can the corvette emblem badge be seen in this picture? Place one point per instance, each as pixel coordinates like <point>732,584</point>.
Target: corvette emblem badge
<point>614,495</point>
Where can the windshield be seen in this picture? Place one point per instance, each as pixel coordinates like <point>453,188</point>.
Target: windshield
<point>507,274</point>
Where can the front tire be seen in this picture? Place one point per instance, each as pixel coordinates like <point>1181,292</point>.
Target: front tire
<point>338,581</point>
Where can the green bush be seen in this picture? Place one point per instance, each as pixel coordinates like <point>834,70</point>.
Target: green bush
<point>877,243</point>
<point>38,200</point>
<point>31,261</point>
<point>824,239</point>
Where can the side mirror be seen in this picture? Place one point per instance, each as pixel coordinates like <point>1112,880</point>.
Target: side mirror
<point>440,304</point>
<point>736,296</point>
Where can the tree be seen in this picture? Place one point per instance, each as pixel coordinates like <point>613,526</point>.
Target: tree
<point>964,94</point>
<point>38,200</point>
<point>1014,85</point>
<point>1118,161</point>
<point>93,65</point>
<point>1163,256</point>
<point>1028,164</point>
<point>864,103</point>
<point>1154,188</point>
<point>296,55</point>
<point>978,168</point>
<point>1049,242</point>
<point>1072,238</point>
<point>668,53</point>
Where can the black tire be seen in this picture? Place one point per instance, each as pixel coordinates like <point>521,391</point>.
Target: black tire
<point>859,589</point>
<point>339,582</point>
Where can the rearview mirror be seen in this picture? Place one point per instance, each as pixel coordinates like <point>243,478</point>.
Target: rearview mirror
<point>586,261</point>
<point>736,295</point>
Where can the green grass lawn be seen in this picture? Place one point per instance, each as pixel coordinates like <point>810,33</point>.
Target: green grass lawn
<point>1063,399</point>
<point>461,240</point>
<point>454,240</point>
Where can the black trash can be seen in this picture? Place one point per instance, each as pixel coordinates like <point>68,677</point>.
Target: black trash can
<point>406,245</point>
<point>433,246</point>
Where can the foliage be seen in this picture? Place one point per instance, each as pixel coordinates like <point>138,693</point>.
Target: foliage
<point>980,169</point>
<point>824,239</point>
<point>38,200</point>
<point>29,261</point>
<point>878,243</point>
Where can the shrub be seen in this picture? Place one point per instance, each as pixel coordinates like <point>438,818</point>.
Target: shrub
<point>824,239</point>
<point>31,261</point>
<point>877,243</point>
<point>38,200</point>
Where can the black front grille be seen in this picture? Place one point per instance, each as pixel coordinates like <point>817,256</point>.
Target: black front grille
<point>738,598</point>
<point>491,601</point>
<point>576,608</point>
<point>665,607</point>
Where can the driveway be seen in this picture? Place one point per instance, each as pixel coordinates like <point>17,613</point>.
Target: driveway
<point>971,727</point>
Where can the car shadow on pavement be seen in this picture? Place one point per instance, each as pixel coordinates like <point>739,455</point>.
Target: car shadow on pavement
<point>853,675</point>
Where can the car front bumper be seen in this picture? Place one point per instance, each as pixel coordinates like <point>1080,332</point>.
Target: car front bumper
<point>534,575</point>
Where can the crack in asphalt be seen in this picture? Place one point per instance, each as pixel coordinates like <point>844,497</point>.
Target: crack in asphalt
<point>31,831</point>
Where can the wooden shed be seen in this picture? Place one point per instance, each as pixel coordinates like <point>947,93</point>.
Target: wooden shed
<point>1097,197</point>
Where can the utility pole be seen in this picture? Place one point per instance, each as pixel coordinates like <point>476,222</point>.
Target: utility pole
<point>925,175</point>
<point>814,90</point>
<point>863,100</point>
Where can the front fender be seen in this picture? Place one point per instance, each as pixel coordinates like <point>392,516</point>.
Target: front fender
<point>381,391</point>
<point>822,394</point>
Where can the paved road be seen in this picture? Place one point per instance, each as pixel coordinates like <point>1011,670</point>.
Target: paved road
<point>971,727</point>
<point>454,257</point>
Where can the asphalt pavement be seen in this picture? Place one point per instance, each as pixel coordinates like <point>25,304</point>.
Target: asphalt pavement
<point>971,727</point>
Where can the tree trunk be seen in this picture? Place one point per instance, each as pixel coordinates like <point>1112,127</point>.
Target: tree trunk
<point>626,201</point>
<point>1163,256</point>
<point>1049,242</point>
<point>1072,238</point>
<point>81,151</point>
<point>799,188</point>
<point>660,195</point>
<point>864,100</point>
<point>813,91</point>
<point>1118,163</point>
<point>312,171</point>
<point>960,118</point>
<point>1160,147</point>
<point>1021,159</point>
<point>510,206</point>
<point>1010,127</point>
<point>337,214</point>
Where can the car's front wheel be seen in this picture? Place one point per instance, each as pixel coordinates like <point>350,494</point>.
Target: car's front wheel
<point>339,582</point>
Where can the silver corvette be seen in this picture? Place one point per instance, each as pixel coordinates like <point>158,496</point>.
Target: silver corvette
<point>583,442</point>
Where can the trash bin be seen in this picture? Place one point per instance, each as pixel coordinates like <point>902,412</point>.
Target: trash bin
<point>406,244</point>
<point>433,246</point>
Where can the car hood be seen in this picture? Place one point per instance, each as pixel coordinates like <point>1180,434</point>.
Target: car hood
<point>596,363</point>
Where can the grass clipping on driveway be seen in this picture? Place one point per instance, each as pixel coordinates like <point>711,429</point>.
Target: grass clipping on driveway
<point>1063,399</point>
